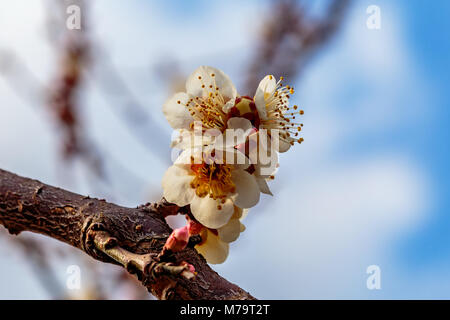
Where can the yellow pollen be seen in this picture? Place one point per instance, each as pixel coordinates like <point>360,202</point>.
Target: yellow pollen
<point>213,180</point>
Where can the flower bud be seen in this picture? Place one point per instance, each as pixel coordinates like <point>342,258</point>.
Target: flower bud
<point>178,239</point>
<point>194,227</point>
<point>188,266</point>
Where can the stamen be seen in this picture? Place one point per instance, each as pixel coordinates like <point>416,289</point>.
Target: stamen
<point>280,116</point>
<point>213,180</point>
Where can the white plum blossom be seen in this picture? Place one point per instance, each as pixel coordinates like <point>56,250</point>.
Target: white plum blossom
<point>208,91</point>
<point>210,186</point>
<point>272,103</point>
<point>229,151</point>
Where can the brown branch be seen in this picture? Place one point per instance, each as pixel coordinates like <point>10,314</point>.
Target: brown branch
<point>131,237</point>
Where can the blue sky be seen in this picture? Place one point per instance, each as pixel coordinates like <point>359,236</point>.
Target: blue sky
<point>369,185</point>
<point>428,28</point>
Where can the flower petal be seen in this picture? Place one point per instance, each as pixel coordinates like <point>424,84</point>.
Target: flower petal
<point>238,129</point>
<point>247,189</point>
<point>212,248</point>
<point>219,80</point>
<point>268,84</point>
<point>273,141</point>
<point>230,232</point>
<point>262,155</point>
<point>227,106</point>
<point>283,145</point>
<point>185,139</point>
<point>176,113</point>
<point>239,123</point>
<point>244,215</point>
<point>176,186</point>
<point>194,155</point>
<point>263,186</point>
<point>231,156</point>
<point>265,89</point>
<point>206,211</point>
<point>237,213</point>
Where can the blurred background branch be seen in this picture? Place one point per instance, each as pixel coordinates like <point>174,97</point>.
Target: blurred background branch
<point>291,37</point>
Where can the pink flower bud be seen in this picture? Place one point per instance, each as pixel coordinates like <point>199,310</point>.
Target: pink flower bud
<point>194,227</point>
<point>178,239</point>
<point>189,266</point>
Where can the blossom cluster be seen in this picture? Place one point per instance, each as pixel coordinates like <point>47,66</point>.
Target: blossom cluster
<point>229,147</point>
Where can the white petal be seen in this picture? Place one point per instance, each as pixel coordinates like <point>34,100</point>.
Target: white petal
<point>176,113</point>
<point>230,232</point>
<point>238,129</point>
<point>265,172</point>
<point>231,156</point>
<point>188,155</point>
<point>237,213</point>
<point>268,84</point>
<point>263,186</point>
<point>176,186</point>
<point>265,89</point>
<point>182,139</point>
<point>262,156</point>
<point>283,146</point>
<point>227,106</point>
<point>261,106</point>
<point>247,189</point>
<point>239,123</point>
<point>213,249</point>
<point>274,141</point>
<point>220,80</point>
<point>206,212</point>
<point>177,140</point>
<point>244,215</point>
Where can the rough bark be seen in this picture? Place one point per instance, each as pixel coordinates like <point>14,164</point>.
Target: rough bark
<point>131,237</point>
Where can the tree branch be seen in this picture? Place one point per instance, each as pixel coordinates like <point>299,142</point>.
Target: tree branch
<point>131,237</point>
